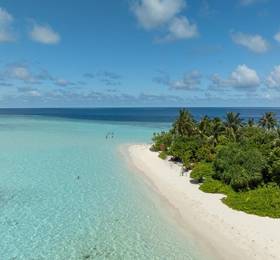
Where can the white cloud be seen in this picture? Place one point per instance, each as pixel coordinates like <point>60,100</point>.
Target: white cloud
<point>190,81</point>
<point>44,34</point>
<point>164,15</point>
<point>277,36</point>
<point>63,82</point>
<point>19,72</point>
<point>242,77</point>
<point>255,43</point>
<point>181,28</point>
<point>34,93</point>
<point>273,79</point>
<point>245,77</point>
<point>154,13</point>
<point>6,31</point>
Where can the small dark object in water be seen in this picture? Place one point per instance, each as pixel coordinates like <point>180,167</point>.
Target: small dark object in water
<point>78,177</point>
<point>86,257</point>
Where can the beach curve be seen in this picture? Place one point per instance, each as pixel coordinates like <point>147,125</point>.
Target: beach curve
<point>228,234</point>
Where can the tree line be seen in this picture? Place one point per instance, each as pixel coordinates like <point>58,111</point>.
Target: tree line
<point>228,155</point>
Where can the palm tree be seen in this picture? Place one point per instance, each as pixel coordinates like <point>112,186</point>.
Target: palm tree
<point>185,124</point>
<point>233,121</point>
<point>217,128</point>
<point>232,124</point>
<point>268,121</point>
<point>204,126</point>
<point>251,122</point>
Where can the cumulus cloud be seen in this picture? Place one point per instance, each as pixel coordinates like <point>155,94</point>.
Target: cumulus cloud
<point>273,79</point>
<point>28,91</point>
<point>190,81</point>
<point>242,77</point>
<point>18,71</point>
<point>63,82</point>
<point>255,43</point>
<point>180,28</point>
<point>277,36</point>
<point>6,30</point>
<point>154,13</point>
<point>33,76</point>
<point>165,15</point>
<point>44,34</point>
<point>109,78</point>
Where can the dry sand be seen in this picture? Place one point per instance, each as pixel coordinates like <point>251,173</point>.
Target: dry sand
<point>226,233</point>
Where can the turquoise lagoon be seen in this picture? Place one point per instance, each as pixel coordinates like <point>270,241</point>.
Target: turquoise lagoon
<point>66,192</point>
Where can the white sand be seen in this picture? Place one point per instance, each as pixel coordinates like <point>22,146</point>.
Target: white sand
<point>227,233</point>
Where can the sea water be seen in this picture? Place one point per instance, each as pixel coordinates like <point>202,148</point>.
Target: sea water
<point>66,192</point>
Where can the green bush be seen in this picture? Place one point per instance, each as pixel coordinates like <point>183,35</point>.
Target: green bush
<point>263,201</point>
<point>214,186</point>
<point>201,171</point>
<point>239,178</point>
<point>240,167</point>
<point>179,148</point>
<point>276,171</point>
<point>186,159</point>
<point>162,155</point>
<point>239,160</point>
<point>205,153</point>
<point>161,141</point>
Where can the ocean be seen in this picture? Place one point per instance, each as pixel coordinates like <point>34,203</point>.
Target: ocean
<point>66,192</point>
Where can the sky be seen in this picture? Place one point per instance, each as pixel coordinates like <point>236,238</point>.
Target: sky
<point>124,53</point>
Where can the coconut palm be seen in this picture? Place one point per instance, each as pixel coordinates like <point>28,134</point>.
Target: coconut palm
<point>233,121</point>
<point>251,122</point>
<point>232,124</point>
<point>268,121</point>
<point>185,124</point>
<point>217,128</point>
<point>204,126</point>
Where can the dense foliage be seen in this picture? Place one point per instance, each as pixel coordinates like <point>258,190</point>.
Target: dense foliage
<point>229,156</point>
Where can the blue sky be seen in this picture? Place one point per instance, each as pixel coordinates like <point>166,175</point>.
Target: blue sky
<point>139,53</point>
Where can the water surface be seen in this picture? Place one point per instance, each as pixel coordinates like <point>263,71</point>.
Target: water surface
<point>65,193</point>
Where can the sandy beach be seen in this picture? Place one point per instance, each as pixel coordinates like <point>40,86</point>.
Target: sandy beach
<point>226,233</point>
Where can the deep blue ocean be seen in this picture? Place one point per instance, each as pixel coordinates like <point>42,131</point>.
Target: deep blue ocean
<point>137,114</point>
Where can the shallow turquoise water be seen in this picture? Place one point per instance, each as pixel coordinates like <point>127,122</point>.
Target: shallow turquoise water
<point>48,212</point>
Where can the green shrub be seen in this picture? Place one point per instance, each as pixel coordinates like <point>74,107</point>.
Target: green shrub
<point>276,171</point>
<point>179,148</point>
<point>186,159</point>
<point>239,178</point>
<point>205,153</point>
<point>202,171</point>
<point>161,141</point>
<point>263,201</point>
<point>240,167</point>
<point>162,155</point>
<point>238,160</point>
<point>214,186</point>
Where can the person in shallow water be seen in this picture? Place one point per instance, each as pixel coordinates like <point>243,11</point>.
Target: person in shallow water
<point>110,135</point>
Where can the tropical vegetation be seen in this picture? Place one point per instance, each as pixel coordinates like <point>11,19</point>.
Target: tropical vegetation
<point>229,156</point>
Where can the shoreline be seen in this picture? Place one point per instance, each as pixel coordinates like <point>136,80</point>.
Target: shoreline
<point>223,232</point>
